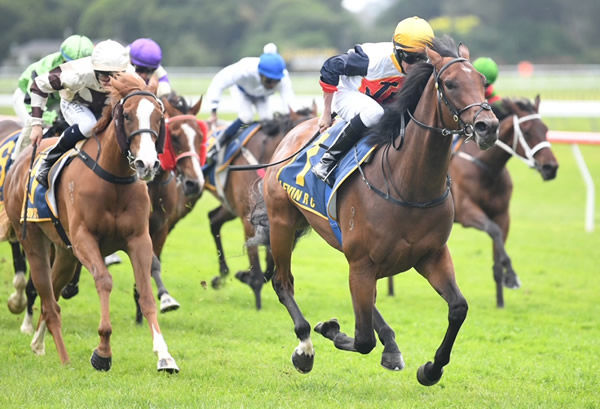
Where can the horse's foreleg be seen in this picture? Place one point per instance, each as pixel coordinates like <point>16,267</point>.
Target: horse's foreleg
<point>509,278</point>
<point>86,249</point>
<point>217,218</point>
<point>254,276</point>
<point>439,271</point>
<point>167,302</point>
<point>27,325</point>
<point>391,358</point>
<point>17,300</point>
<point>139,250</point>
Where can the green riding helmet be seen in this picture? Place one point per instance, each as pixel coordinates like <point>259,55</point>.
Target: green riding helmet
<point>488,68</point>
<point>75,47</point>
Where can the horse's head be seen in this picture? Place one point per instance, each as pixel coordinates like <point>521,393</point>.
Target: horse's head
<point>139,124</point>
<point>283,123</point>
<point>523,134</point>
<point>461,97</point>
<point>185,149</point>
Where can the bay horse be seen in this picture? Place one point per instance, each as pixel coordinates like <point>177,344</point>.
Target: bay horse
<point>237,201</point>
<point>482,186</point>
<point>103,206</point>
<point>387,233</point>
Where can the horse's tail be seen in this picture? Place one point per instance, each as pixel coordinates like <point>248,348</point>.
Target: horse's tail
<point>258,218</point>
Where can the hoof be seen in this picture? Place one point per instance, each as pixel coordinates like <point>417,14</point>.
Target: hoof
<point>424,379</point>
<point>392,361</point>
<point>112,259</point>
<point>167,365</point>
<point>217,283</point>
<point>70,291</point>
<point>99,363</point>
<point>329,329</point>
<point>512,282</point>
<point>38,348</point>
<point>303,362</point>
<point>17,302</point>
<point>168,303</point>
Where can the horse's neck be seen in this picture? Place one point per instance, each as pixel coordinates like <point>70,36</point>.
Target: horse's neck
<point>426,154</point>
<point>111,159</point>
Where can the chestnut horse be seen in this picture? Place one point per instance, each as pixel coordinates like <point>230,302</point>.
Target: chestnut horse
<point>102,207</point>
<point>482,186</point>
<point>177,186</point>
<point>237,203</point>
<point>387,233</point>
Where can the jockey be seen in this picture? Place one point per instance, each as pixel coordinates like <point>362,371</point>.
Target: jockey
<point>252,80</point>
<point>489,69</point>
<point>83,86</point>
<point>146,56</point>
<point>356,83</point>
<point>72,48</point>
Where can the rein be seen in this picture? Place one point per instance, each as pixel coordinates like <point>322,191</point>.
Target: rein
<point>466,130</point>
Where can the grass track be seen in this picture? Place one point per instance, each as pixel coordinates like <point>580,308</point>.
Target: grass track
<point>541,351</point>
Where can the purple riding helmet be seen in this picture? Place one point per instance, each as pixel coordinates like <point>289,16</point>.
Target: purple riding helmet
<point>144,52</point>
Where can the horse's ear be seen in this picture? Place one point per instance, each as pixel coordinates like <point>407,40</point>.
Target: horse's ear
<point>160,141</point>
<point>537,103</point>
<point>169,109</point>
<point>196,108</point>
<point>314,107</point>
<point>463,51</point>
<point>293,114</point>
<point>433,57</point>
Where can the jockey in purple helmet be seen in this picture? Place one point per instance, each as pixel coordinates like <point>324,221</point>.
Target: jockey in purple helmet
<point>145,55</point>
<point>251,80</point>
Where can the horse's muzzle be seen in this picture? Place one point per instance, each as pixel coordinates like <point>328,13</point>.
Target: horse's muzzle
<point>146,171</point>
<point>191,187</point>
<point>547,170</point>
<point>486,132</point>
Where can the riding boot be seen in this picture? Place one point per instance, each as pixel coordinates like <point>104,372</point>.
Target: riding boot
<point>68,140</point>
<point>224,138</point>
<point>336,151</point>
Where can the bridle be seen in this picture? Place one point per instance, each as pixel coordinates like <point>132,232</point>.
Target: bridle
<point>465,129</point>
<point>519,139</point>
<point>192,152</point>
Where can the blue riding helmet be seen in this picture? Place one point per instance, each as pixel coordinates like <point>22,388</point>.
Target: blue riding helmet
<point>271,65</point>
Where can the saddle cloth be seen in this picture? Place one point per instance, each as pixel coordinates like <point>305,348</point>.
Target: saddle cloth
<point>311,193</point>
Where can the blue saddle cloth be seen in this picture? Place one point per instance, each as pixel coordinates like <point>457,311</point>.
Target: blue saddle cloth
<point>230,152</point>
<point>311,193</point>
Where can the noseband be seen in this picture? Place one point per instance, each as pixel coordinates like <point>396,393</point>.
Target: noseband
<point>465,129</point>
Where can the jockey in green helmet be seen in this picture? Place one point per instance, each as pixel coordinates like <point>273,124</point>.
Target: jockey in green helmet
<point>489,69</point>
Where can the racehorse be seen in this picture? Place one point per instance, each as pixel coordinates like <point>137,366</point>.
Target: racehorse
<point>237,200</point>
<point>387,233</point>
<point>482,186</point>
<point>102,206</point>
<point>177,186</point>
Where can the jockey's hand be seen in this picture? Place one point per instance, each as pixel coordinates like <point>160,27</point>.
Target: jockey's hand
<point>325,121</point>
<point>36,135</point>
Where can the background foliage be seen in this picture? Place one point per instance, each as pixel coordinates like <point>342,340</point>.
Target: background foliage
<point>211,33</point>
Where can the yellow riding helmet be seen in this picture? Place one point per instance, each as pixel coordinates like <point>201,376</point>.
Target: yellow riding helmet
<point>413,34</point>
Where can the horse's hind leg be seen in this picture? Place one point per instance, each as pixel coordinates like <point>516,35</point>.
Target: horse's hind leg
<point>391,358</point>
<point>17,300</point>
<point>439,271</point>
<point>72,288</point>
<point>254,276</point>
<point>27,325</point>
<point>217,218</point>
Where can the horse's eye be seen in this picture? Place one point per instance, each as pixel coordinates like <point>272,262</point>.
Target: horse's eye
<point>450,84</point>
<point>126,116</point>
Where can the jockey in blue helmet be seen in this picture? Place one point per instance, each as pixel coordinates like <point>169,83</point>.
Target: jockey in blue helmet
<point>251,81</point>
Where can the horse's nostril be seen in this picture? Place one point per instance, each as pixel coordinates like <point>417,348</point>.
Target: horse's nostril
<point>139,164</point>
<point>480,127</point>
<point>156,165</point>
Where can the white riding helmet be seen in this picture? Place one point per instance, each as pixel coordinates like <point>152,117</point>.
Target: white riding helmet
<point>109,55</point>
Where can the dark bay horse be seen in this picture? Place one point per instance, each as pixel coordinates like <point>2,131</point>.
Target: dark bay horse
<point>482,186</point>
<point>237,201</point>
<point>384,234</point>
<point>103,206</point>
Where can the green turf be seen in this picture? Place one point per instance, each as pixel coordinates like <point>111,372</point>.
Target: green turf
<point>541,351</point>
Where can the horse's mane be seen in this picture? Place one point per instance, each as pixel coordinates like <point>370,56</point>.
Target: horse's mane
<point>410,94</point>
<point>282,122</point>
<point>504,108</point>
<point>122,85</point>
